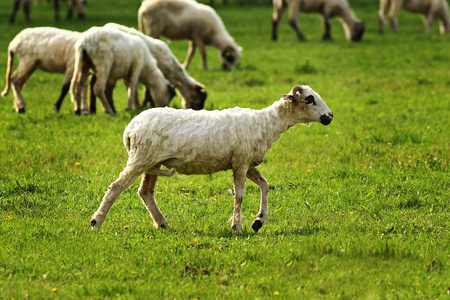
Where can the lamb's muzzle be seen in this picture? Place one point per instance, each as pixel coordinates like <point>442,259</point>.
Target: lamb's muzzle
<point>326,118</point>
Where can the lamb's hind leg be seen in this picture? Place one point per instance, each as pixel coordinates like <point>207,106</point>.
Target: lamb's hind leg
<point>146,193</point>
<point>125,180</point>
<point>254,175</point>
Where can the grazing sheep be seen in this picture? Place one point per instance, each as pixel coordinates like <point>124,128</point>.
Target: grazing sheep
<point>46,48</point>
<point>113,54</point>
<point>429,8</point>
<point>205,142</point>
<point>354,28</point>
<point>187,19</point>
<point>77,6</point>
<point>193,94</point>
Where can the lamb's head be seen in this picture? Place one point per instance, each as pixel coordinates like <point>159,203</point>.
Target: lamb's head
<point>357,31</point>
<point>307,106</point>
<point>79,7</point>
<point>230,56</point>
<point>193,97</point>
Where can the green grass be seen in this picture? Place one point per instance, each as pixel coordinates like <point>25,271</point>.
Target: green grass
<point>358,209</point>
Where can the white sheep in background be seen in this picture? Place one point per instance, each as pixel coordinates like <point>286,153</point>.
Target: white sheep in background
<point>77,6</point>
<point>187,19</point>
<point>205,142</point>
<point>193,94</point>
<point>113,54</point>
<point>45,48</point>
<point>353,27</point>
<point>429,8</point>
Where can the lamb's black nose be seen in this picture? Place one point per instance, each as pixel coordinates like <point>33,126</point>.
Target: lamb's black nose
<point>326,119</point>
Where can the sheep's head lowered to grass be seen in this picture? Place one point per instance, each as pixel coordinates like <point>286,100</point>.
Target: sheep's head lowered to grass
<point>204,142</point>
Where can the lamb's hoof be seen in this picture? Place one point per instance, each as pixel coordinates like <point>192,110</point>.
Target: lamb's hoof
<point>21,110</point>
<point>163,226</point>
<point>93,223</point>
<point>78,112</point>
<point>257,224</point>
<point>237,228</point>
<point>56,109</point>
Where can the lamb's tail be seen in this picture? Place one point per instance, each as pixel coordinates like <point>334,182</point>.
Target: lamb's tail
<point>80,58</point>
<point>127,140</point>
<point>8,72</point>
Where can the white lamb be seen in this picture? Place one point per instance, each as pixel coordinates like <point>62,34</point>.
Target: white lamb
<point>187,19</point>
<point>45,48</point>
<point>353,27</point>
<point>205,142</point>
<point>193,94</point>
<point>429,8</point>
<point>113,54</point>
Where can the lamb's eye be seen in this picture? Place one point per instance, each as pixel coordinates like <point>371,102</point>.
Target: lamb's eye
<point>310,99</point>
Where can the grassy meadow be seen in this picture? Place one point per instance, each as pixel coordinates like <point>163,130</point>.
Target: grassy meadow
<point>358,209</point>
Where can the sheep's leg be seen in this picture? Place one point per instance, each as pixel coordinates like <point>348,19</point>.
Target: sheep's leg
<point>384,8</point>
<point>27,10</point>
<point>239,177</point>
<point>395,9</point>
<point>125,180</point>
<point>147,98</point>
<point>18,79</point>
<point>110,85</point>
<point>15,8</point>
<point>100,92</point>
<point>279,7</point>
<point>56,9</point>
<point>92,97</point>
<point>326,28</point>
<point>428,20</point>
<point>133,102</point>
<point>146,193</point>
<point>202,50</point>
<point>293,21</point>
<point>254,175</point>
<point>190,54</point>
<point>64,90</point>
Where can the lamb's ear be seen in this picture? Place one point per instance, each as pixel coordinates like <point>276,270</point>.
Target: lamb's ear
<point>296,94</point>
<point>297,91</point>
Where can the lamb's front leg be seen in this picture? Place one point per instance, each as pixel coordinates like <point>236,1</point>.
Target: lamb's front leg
<point>239,189</point>
<point>254,175</point>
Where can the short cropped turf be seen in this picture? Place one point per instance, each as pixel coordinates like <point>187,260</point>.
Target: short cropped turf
<point>358,209</point>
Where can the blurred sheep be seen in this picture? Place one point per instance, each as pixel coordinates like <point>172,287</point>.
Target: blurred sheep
<point>187,19</point>
<point>112,54</point>
<point>205,142</point>
<point>193,94</point>
<point>45,48</point>
<point>430,9</point>
<point>75,6</point>
<point>353,27</point>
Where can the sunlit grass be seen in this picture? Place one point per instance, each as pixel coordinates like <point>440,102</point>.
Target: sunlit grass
<point>358,209</point>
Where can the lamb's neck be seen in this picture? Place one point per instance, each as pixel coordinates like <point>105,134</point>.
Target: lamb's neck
<point>222,40</point>
<point>349,18</point>
<point>278,119</point>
